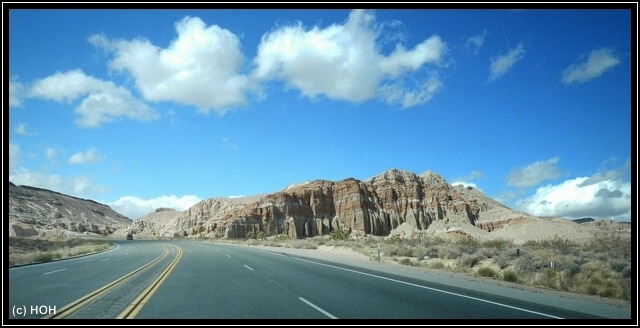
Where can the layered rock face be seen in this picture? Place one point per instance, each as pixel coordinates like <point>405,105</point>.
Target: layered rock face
<point>36,212</point>
<point>375,206</point>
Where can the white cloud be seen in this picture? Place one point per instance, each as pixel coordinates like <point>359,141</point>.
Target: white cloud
<point>89,156</point>
<point>78,186</point>
<point>16,93</point>
<point>599,61</point>
<point>475,174</point>
<point>476,42</point>
<point>226,143</point>
<point>104,101</point>
<point>14,156</point>
<point>465,184</point>
<point>502,64</point>
<point>21,129</point>
<point>575,199</point>
<point>135,207</point>
<point>200,67</point>
<point>534,173</point>
<point>344,62</point>
<point>396,93</point>
<point>50,153</point>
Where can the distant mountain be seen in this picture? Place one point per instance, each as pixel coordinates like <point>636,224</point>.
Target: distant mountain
<point>37,212</point>
<point>583,220</point>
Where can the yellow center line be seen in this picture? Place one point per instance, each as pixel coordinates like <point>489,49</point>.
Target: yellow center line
<point>88,298</point>
<point>134,308</point>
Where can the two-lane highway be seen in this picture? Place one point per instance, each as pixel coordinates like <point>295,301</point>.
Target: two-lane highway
<point>230,281</point>
<point>224,281</point>
<point>95,286</point>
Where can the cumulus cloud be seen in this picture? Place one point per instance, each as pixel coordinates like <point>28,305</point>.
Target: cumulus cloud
<point>344,62</point>
<point>21,129</point>
<point>502,64</point>
<point>466,180</point>
<point>476,42</point>
<point>200,67</point>
<point>135,207</point>
<point>78,186</point>
<point>50,153</point>
<point>14,156</point>
<point>534,173</point>
<point>465,184</point>
<point>16,93</point>
<point>89,156</point>
<point>103,100</point>
<point>598,62</point>
<point>576,199</point>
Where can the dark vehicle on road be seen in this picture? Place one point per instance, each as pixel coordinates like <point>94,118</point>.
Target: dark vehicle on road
<point>129,236</point>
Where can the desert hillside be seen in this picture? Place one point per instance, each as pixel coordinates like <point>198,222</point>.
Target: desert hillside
<point>37,212</point>
<point>394,202</point>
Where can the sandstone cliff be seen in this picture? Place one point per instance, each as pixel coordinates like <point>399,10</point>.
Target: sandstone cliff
<point>375,206</point>
<point>37,212</point>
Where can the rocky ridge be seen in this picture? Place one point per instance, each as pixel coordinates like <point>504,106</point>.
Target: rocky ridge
<point>375,206</point>
<point>37,212</point>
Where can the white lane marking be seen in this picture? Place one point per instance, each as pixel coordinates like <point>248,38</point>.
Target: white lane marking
<point>55,271</point>
<point>248,267</point>
<point>107,259</point>
<point>318,308</point>
<point>433,289</point>
<point>228,255</point>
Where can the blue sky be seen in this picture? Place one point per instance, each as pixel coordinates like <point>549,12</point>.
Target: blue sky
<point>140,109</point>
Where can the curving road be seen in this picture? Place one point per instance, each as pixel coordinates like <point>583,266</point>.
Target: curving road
<point>201,280</point>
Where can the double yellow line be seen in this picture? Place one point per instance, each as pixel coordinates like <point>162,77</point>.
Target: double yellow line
<point>132,309</point>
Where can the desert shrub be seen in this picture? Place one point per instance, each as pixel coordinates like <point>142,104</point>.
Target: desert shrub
<point>432,251</point>
<point>531,262</point>
<point>438,265</point>
<point>622,267</point>
<point>419,252</point>
<point>46,256</point>
<point>548,278</point>
<point>396,250</point>
<point>468,244</point>
<point>504,258</point>
<point>497,243</point>
<point>555,243</point>
<point>450,251</point>
<point>340,234</point>
<point>405,261</point>
<point>572,268</point>
<point>282,237</point>
<point>468,260</point>
<point>614,246</point>
<point>510,275</point>
<point>487,272</point>
<point>395,239</point>
<point>303,244</point>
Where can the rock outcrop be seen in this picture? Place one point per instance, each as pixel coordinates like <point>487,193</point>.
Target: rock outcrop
<point>36,212</point>
<point>375,206</point>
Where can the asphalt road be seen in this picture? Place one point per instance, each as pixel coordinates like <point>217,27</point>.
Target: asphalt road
<point>201,280</point>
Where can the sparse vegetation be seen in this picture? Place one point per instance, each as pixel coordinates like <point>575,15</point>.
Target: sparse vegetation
<point>340,234</point>
<point>33,250</point>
